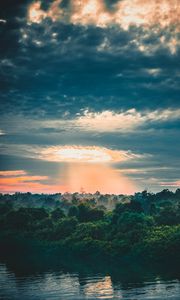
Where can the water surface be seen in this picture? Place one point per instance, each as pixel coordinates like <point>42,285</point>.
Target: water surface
<point>29,279</point>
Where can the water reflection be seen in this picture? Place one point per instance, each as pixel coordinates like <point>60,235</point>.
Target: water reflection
<point>100,288</point>
<point>51,279</point>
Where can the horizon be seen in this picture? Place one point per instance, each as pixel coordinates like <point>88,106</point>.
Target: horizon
<point>87,193</point>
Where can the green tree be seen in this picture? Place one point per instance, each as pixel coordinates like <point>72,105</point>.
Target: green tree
<point>86,213</point>
<point>57,214</point>
<point>73,211</point>
<point>64,228</point>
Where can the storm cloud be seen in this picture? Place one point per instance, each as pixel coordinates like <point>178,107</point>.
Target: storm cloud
<point>94,74</point>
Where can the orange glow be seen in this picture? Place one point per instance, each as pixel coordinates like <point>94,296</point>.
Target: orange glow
<point>35,13</point>
<point>12,173</point>
<point>102,287</point>
<point>90,12</point>
<point>16,180</point>
<point>88,167</point>
<point>145,13</point>
<point>12,182</point>
<point>32,187</point>
<point>90,177</point>
<point>93,177</point>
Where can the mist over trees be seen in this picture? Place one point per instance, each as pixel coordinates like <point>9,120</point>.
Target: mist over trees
<point>144,225</point>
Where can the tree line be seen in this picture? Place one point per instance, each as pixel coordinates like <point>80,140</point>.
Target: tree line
<point>146,226</point>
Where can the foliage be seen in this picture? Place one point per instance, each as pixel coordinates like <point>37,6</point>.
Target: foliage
<point>146,226</point>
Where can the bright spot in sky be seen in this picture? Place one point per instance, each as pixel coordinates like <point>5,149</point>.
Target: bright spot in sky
<point>85,154</point>
<point>91,168</point>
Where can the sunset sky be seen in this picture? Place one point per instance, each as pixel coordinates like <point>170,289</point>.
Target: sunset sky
<point>90,95</point>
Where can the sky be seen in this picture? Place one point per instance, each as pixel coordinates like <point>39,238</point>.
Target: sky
<point>89,95</point>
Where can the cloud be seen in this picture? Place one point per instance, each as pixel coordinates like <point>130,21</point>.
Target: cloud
<point>3,21</point>
<point>153,71</point>
<point>160,19</point>
<point>35,13</point>
<point>109,121</point>
<point>12,173</point>
<point>72,153</point>
<point>13,186</point>
<point>2,132</point>
<point>24,179</point>
<point>124,121</point>
<point>106,121</point>
<point>175,184</point>
<point>125,13</point>
<point>88,154</point>
<point>79,12</point>
<point>147,13</point>
<point>19,181</point>
<point>143,170</point>
<point>19,176</point>
<point>90,73</point>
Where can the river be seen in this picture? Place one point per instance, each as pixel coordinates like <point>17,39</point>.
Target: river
<point>38,279</point>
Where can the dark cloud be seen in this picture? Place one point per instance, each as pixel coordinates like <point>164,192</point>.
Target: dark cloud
<point>48,61</point>
<point>52,70</point>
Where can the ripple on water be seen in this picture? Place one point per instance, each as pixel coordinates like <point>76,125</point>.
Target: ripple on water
<point>58,285</point>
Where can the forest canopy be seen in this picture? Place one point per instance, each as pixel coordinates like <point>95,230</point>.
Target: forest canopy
<point>144,225</point>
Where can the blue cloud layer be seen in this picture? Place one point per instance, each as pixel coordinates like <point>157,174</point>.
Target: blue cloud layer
<point>54,70</point>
